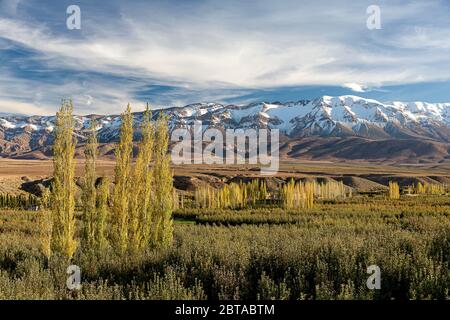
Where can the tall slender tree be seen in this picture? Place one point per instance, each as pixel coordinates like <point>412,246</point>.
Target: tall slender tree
<point>141,207</point>
<point>63,189</point>
<point>89,195</point>
<point>124,154</point>
<point>102,214</point>
<point>45,225</point>
<point>163,176</point>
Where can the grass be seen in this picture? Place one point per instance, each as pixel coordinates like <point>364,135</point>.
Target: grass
<point>354,209</point>
<point>265,253</point>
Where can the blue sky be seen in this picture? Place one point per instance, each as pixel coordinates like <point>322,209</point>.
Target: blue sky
<point>172,53</point>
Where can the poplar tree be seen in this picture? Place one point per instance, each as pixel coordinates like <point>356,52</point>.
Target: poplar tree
<point>163,180</point>
<point>140,205</point>
<point>122,180</point>
<point>45,225</point>
<point>63,189</point>
<point>394,190</point>
<point>297,195</point>
<point>89,195</point>
<point>102,214</point>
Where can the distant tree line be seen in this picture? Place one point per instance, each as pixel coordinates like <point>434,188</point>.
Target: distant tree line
<point>418,189</point>
<point>18,201</point>
<point>290,195</point>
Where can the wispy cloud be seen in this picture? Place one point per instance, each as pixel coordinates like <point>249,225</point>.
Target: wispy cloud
<point>168,52</point>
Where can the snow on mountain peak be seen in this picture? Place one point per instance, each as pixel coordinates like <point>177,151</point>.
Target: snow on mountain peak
<point>326,115</point>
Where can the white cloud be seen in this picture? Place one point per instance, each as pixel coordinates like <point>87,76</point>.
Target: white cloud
<point>240,45</point>
<point>355,87</point>
<point>17,107</point>
<point>280,49</point>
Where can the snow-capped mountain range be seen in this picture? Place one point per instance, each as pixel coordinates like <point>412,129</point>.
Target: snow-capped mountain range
<point>343,116</point>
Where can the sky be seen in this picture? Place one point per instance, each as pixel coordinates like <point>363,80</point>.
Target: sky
<point>173,53</point>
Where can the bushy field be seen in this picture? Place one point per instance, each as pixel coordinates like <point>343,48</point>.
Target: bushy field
<point>267,253</point>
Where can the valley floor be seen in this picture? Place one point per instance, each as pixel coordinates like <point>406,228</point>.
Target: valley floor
<point>260,253</point>
<point>370,176</point>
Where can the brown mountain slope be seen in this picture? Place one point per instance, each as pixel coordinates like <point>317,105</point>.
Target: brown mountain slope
<point>355,148</point>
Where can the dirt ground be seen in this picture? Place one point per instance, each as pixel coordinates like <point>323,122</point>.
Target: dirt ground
<point>14,172</point>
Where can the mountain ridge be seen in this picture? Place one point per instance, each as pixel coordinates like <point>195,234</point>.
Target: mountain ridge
<point>345,118</point>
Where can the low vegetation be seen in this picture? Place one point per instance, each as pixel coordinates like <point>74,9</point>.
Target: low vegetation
<point>319,253</point>
<point>301,240</point>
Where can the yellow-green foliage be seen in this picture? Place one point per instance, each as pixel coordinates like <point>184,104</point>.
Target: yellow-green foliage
<point>176,200</point>
<point>204,197</point>
<point>122,189</point>
<point>291,194</point>
<point>141,206</point>
<point>330,190</point>
<point>142,200</point>
<point>63,188</point>
<point>179,200</point>
<point>163,179</point>
<point>20,201</point>
<point>45,225</point>
<point>233,195</point>
<point>89,192</point>
<point>323,254</point>
<point>297,195</point>
<point>428,188</point>
<point>255,191</point>
<point>102,211</point>
<point>394,190</point>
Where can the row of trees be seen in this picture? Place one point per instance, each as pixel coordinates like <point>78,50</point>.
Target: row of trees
<point>233,195</point>
<point>394,190</point>
<point>296,195</point>
<point>17,201</point>
<point>427,188</point>
<point>331,190</point>
<point>291,194</point>
<point>419,188</point>
<point>139,212</point>
<point>142,198</point>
